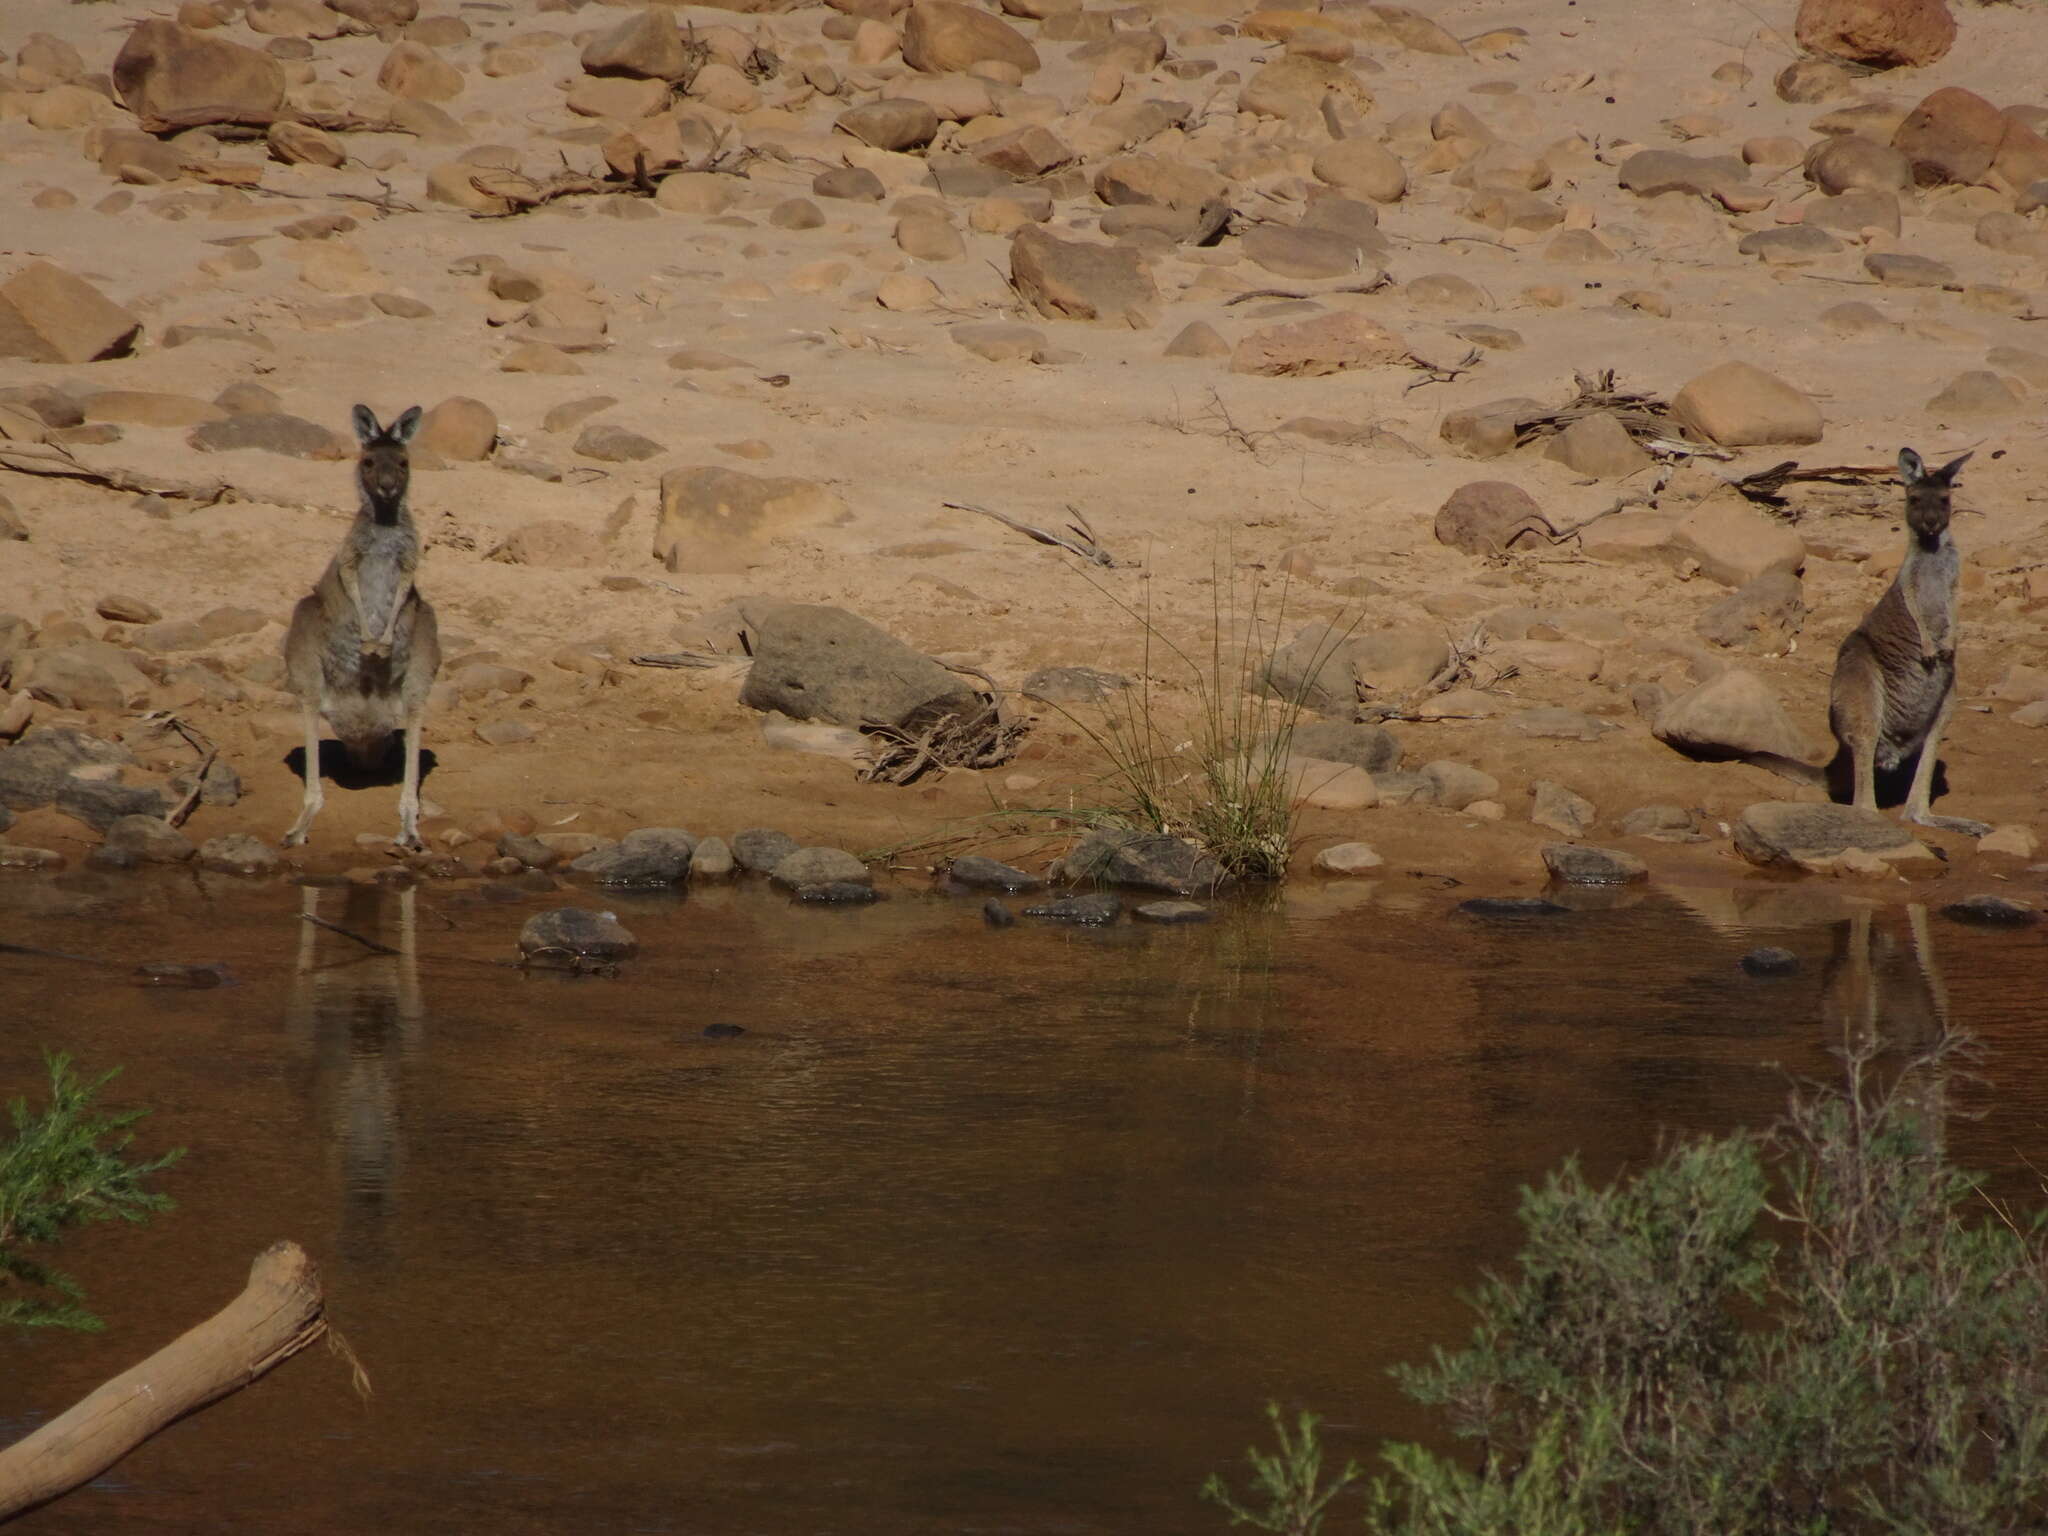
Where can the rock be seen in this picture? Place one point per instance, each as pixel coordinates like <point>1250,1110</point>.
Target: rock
<point>893,123</point>
<point>237,853</point>
<point>646,856</point>
<point>417,73</point>
<point>1511,907</point>
<point>1733,543</point>
<point>613,444</point>
<point>1560,809</point>
<point>759,849</point>
<point>1952,135</point>
<point>1730,716</point>
<point>711,860</point>
<point>1974,396</point>
<point>1797,832</point>
<point>1370,747</point>
<point>620,100</point>
<point>1000,341</point>
<point>147,839</point>
<point>1170,912</point>
<point>1348,859</point>
<point>1653,172</point>
<point>1490,430</point>
<point>1324,344</point>
<point>1738,405</point>
<point>715,519</point>
<point>2015,838</point>
<point>37,767</point>
<point>1794,245</point>
<point>645,46</point>
<point>1073,685</point>
<point>1329,670</point>
<point>941,37</point>
<point>1490,517</point>
<point>1768,960</point>
<point>1764,613</point>
<point>979,873</point>
<point>836,893</point>
<point>1311,781</point>
<point>1361,168</point>
<point>1550,722</point>
<point>99,803</point>
<point>1886,33</point>
<point>172,78</point>
<point>1598,446</point>
<point>1663,823</point>
<point>378,15</point>
<point>551,543</point>
<point>1983,911</point>
<point>1895,269</point>
<point>1150,181</point>
<point>1151,861</point>
<point>1293,87</point>
<point>928,237</point>
<point>1578,864</point>
<point>88,675</point>
<point>303,144</point>
<point>818,867</point>
<point>1852,213</point>
<point>47,315</point>
<point>270,432</point>
<point>576,932</point>
<point>1850,162</point>
<point>1081,280</point>
<point>20,856</point>
<point>852,182</point>
<point>458,428</point>
<point>1197,339</point>
<point>1302,253</point>
<point>996,915</point>
<point>819,663</point>
<point>1094,908</point>
<point>123,609</point>
<point>1457,785</point>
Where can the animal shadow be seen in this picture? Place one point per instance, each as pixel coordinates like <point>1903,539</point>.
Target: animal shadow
<point>385,767</point>
<point>1893,785</point>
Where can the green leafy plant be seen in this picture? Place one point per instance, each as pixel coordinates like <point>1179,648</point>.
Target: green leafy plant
<point>65,1167</point>
<point>1290,1484</point>
<point>1823,1329</point>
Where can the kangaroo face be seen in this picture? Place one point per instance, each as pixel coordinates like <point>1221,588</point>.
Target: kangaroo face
<point>384,470</point>
<point>1928,493</point>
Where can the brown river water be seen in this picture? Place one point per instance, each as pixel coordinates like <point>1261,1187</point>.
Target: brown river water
<point>967,1230</point>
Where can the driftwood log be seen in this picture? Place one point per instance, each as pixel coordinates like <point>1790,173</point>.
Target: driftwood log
<point>278,1314</point>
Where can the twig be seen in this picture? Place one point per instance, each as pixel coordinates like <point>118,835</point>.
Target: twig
<point>1436,373</point>
<point>685,659</point>
<point>370,944</point>
<point>1249,294</point>
<point>1084,545</point>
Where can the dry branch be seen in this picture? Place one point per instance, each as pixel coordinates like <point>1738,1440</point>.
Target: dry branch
<point>278,1314</point>
<point>56,460</point>
<point>985,738</point>
<point>1082,541</point>
<point>1765,484</point>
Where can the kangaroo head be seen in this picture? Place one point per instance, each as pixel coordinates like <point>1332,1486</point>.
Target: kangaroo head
<point>1927,492</point>
<point>384,470</point>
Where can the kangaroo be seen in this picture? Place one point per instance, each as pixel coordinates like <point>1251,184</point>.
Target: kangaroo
<point>364,646</point>
<point>1895,675</point>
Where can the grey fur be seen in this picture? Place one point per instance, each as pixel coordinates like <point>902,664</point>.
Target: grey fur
<point>1895,675</point>
<point>364,646</point>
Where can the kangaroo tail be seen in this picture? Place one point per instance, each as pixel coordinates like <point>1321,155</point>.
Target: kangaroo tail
<point>1814,777</point>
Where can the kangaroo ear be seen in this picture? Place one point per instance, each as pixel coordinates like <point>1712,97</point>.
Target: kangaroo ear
<point>409,423</point>
<point>366,425</point>
<point>1911,470</point>
<point>1947,472</point>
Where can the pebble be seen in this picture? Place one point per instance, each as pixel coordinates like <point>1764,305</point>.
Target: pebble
<point>1578,864</point>
<point>1991,912</point>
<point>1171,912</point>
<point>996,915</point>
<point>1768,960</point>
<point>1348,859</point>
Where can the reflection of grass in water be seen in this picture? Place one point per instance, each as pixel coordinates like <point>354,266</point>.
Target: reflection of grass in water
<point>1826,1328</point>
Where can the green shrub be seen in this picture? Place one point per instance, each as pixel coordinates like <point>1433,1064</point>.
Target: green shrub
<point>1823,1329</point>
<point>65,1168</point>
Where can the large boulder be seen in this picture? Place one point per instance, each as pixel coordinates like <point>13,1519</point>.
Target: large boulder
<point>1802,832</point>
<point>645,46</point>
<point>940,37</point>
<point>817,663</point>
<point>1083,280</point>
<point>720,520</point>
<point>1953,135</point>
<point>49,316</point>
<point>1329,670</point>
<point>1886,33</point>
<point>36,769</point>
<point>1738,405</point>
<point>1152,861</point>
<point>172,78</point>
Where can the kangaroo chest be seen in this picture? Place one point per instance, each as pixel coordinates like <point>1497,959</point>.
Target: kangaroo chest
<point>1918,650</point>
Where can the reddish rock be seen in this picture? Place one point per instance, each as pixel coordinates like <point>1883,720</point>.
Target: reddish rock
<point>1314,347</point>
<point>172,78</point>
<point>49,316</point>
<point>1080,280</point>
<point>1881,32</point>
<point>940,36</point>
<point>1951,136</point>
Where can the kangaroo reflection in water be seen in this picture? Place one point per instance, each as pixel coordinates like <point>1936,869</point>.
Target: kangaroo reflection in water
<point>1882,991</point>
<point>354,1017</point>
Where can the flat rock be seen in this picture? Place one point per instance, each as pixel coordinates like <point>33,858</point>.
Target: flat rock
<point>1093,908</point>
<point>1348,859</point>
<point>1370,747</point>
<point>1730,716</point>
<point>99,803</point>
<point>1171,913</point>
<point>38,766</point>
<point>1733,543</point>
<point>1793,245</point>
<point>645,46</point>
<point>1598,446</point>
<point>941,37</point>
<point>1652,172</point>
<point>1765,613</point>
<point>813,662</point>
<point>1456,785</point>
<point>1778,832</point>
<point>1663,824</point>
<point>49,315</point>
<point>1302,253</point>
<point>836,893</point>
<point>1985,911</point>
<point>1312,348</point>
<point>613,444</point>
<point>292,437</point>
<point>576,932</point>
<point>1579,864</point>
<point>759,849</point>
<point>147,839</point>
<point>237,853</point>
<point>892,122</point>
<point>646,856</point>
<point>716,519</point>
<point>1559,809</point>
<point>1737,405</point>
<point>1073,685</point>
<point>980,873</point>
<point>1082,280</point>
<point>1293,87</point>
<point>1896,269</point>
<point>1000,341</point>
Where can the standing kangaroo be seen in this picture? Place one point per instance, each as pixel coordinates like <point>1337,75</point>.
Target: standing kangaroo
<point>364,647</point>
<point>1895,675</point>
